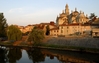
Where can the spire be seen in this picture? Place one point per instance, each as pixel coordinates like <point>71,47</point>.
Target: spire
<point>75,9</point>
<point>86,15</point>
<point>57,16</point>
<point>63,11</point>
<point>67,9</point>
<point>66,5</point>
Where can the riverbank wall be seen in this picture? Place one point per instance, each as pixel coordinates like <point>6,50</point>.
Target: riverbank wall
<point>78,42</point>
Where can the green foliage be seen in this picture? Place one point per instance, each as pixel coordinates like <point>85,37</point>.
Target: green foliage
<point>36,36</point>
<point>6,43</point>
<point>35,55</point>
<point>47,30</point>
<point>92,15</point>
<point>35,27</point>
<point>3,26</point>
<point>14,33</point>
<point>14,55</point>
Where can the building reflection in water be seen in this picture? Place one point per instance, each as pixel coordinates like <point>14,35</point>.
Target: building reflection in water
<point>72,57</point>
<point>41,55</point>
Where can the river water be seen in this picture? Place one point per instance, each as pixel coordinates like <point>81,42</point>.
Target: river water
<point>36,55</point>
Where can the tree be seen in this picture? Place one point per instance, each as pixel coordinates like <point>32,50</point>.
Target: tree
<point>47,30</point>
<point>35,55</point>
<point>14,33</point>
<point>3,26</point>
<point>14,55</point>
<point>36,36</point>
<point>92,17</point>
<point>2,55</point>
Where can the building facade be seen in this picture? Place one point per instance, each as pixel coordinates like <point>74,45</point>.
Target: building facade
<point>69,24</point>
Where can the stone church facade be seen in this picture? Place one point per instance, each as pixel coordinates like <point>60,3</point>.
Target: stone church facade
<point>69,18</point>
<point>74,23</point>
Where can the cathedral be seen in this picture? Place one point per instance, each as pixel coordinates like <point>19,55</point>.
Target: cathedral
<point>71,23</point>
<point>69,18</point>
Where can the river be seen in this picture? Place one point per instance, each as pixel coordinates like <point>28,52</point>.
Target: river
<point>36,55</point>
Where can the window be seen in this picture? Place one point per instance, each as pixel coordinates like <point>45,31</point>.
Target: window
<point>54,30</point>
<point>61,31</point>
<point>62,27</point>
<point>67,27</point>
<point>57,30</point>
<point>67,30</point>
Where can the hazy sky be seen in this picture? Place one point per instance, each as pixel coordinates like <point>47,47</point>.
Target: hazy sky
<point>24,12</point>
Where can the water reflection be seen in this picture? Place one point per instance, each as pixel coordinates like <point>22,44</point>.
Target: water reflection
<point>2,56</point>
<point>36,55</point>
<point>14,55</point>
<point>72,57</point>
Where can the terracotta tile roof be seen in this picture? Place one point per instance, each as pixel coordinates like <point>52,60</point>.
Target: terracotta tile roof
<point>40,26</point>
<point>45,23</point>
<point>85,24</point>
<point>52,23</point>
<point>55,28</point>
<point>63,25</point>
<point>74,24</point>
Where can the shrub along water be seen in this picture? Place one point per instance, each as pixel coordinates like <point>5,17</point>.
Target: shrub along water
<point>14,34</point>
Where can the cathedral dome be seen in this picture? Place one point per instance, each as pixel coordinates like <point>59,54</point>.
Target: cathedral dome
<point>81,15</point>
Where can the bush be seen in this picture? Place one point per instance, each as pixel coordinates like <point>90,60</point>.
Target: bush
<point>14,33</point>
<point>36,36</point>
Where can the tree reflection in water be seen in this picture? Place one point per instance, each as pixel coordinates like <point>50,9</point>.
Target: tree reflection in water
<point>14,55</point>
<point>35,55</point>
<point>2,56</point>
<point>46,56</point>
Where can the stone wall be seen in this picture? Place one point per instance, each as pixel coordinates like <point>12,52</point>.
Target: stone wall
<point>78,42</point>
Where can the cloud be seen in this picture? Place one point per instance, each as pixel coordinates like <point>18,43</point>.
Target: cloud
<point>16,10</point>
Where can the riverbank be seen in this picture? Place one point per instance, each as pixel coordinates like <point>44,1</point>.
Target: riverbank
<point>82,44</point>
<point>86,42</point>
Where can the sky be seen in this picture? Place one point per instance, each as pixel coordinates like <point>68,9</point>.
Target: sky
<point>25,12</point>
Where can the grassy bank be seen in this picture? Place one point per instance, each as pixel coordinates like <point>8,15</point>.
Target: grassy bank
<point>58,47</point>
<point>72,48</point>
<point>73,44</point>
<point>6,43</point>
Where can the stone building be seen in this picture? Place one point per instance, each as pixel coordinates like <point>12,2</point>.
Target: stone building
<point>73,17</point>
<point>74,23</point>
<point>71,30</point>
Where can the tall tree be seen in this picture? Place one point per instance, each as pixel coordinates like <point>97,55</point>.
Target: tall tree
<point>35,55</point>
<point>3,26</point>
<point>47,30</point>
<point>36,36</point>
<point>14,55</point>
<point>92,17</point>
<point>14,33</point>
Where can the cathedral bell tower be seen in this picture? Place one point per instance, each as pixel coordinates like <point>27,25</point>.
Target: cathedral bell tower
<point>67,9</point>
